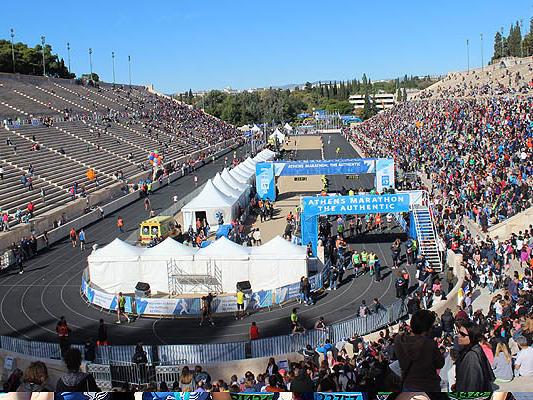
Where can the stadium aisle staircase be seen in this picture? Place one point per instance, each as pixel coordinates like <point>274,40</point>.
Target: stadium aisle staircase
<point>426,235</point>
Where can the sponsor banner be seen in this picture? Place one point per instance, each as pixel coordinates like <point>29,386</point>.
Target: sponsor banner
<point>287,293</point>
<point>339,396</point>
<point>384,174</point>
<point>264,180</point>
<point>316,281</point>
<point>259,300</point>
<point>224,304</point>
<point>358,204</point>
<point>326,167</point>
<point>101,299</point>
<point>177,307</point>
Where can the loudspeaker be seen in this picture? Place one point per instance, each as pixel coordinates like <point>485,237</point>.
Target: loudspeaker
<point>244,286</point>
<point>142,289</point>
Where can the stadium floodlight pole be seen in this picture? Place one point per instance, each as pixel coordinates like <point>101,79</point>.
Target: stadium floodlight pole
<point>113,58</point>
<point>482,60</point>
<point>129,68</point>
<point>91,62</point>
<point>43,40</point>
<point>13,48</point>
<point>68,56</point>
<point>468,55</point>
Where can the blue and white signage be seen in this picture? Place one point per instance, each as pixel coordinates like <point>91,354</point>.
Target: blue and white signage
<point>326,167</point>
<point>359,204</point>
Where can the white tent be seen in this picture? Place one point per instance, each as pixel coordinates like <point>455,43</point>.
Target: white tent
<point>278,135</point>
<point>249,162</point>
<point>225,188</point>
<point>230,258</point>
<point>245,170</point>
<point>207,204</point>
<point>234,183</point>
<point>287,127</point>
<point>256,129</point>
<point>154,269</point>
<point>239,176</point>
<point>115,267</point>
<point>278,263</point>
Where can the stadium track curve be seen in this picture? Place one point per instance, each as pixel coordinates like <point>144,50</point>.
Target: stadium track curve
<point>31,304</point>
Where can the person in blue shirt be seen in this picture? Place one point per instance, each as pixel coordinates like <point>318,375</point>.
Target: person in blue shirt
<point>81,238</point>
<point>327,346</point>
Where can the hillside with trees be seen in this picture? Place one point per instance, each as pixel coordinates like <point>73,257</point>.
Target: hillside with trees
<point>29,60</point>
<point>282,105</point>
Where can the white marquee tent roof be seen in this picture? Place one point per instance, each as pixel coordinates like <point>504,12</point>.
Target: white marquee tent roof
<point>287,127</point>
<point>209,197</point>
<point>225,187</point>
<point>239,176</point>
<point>117,249</point>
<point>224,249</point>
<point>234,183</point>
<point>245,170</point>
<point>168,249</point>
<point>279,248</point>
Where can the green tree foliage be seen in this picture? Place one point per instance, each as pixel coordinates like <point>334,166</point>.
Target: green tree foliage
<point>280,105</point>
<point>29,61</point>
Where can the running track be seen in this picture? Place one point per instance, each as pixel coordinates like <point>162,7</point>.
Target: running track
<point>31,304</point>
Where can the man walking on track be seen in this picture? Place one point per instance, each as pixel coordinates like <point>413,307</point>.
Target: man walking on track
<point>81,237</point>
<point>121,307</point>
<point>73,237</point>
<point>120,224</point>
<point>63,331</point>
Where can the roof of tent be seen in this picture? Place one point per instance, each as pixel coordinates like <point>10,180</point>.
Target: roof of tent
<point>255,128</point>
<point>170,248</point>
<point>225,187</point>
<point>230,180</point>
<point>287,127</point>
<point>249,162</point>
<point>209,197</point>
<point>245,170</point>
<point>116,249</point>
<point>224,249</point>
<point>279,248</point>
<point>239,176</point>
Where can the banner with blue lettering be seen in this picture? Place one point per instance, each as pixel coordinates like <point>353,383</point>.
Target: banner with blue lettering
<point>259,300</point>
<point>326,167</point>
<point>287,293</point>
<point>358,204</point>
<point>384,174</point>
<point>340,396</point>
<point>264,181</point>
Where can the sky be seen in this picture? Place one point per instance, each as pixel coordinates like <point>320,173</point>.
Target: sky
<point>181,44</point>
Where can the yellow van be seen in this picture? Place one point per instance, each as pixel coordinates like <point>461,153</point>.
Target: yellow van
<point>161,226</point>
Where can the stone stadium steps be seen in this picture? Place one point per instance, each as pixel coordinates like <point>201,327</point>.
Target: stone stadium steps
<point>57,137</point>
<point>106,142</point>
<point>50,165</point>
<point>117,101</point>
<point>31,105</point>
<point>62,102</point>
<point>13,195</point>
<point>103,104</point>
<point>171,152</point>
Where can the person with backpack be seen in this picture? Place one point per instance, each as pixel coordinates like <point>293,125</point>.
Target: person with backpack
<point>400,285</point>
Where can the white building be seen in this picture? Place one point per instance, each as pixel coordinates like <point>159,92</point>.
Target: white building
<point>383,101</point>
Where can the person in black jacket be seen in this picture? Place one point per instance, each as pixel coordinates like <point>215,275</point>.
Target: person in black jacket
<point>448,321</point>
<point>472,368</point>
<point>75,380</point>
<point>302,383</point>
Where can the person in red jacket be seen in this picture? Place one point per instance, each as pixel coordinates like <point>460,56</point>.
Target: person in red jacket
<point>254,331</point>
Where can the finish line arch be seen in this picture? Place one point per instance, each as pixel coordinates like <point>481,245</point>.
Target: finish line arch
<point>313,207</point>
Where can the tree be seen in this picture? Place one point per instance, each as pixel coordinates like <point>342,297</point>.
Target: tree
<point>29,61</point>
<point>369,109</point>
<point>308,86</point>
<point>498,46</point>
<point>514,40</point>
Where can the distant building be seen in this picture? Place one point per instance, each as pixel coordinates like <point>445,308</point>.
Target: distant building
<point>383,101</point>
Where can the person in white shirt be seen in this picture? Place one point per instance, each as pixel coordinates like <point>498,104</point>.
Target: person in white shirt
<point>524,360</point>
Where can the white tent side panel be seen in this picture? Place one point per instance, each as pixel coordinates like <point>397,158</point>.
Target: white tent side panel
<point>115,276</point>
